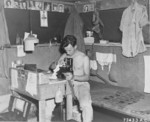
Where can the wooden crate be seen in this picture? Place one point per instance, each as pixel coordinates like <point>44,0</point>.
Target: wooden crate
<point>36,89</point>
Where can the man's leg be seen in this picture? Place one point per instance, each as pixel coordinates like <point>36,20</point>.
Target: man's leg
<point>85,102</point>
<point>50,105</point>
<point>87,113</point>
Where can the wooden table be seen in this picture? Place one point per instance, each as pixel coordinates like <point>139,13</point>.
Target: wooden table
<point>30,84</point>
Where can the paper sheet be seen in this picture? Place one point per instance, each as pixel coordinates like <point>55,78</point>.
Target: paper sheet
<point>147,74</point>
<point>44,18</point>
<point>31,86</point>
<point>14,78</point>
<point>20,51</point>
<point>43,78</point>
<point>19,104</point>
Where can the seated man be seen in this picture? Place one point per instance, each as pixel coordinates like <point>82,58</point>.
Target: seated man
<point>80,76</point>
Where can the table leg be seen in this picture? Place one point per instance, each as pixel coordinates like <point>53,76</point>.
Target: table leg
<point>69,106</point>
<point>42,111</point>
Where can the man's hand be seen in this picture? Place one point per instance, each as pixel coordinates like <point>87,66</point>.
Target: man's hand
<point>61,63</point>
<point>68,75</point>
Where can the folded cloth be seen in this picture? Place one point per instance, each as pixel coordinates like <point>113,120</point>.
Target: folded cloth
<point>93,64</point>
<point>89,40</point>
<point>105,59</point>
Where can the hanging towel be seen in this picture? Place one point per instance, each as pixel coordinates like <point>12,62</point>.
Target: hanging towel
<point>147,74</point>
<point>105,59</point>
<point>89,40</point>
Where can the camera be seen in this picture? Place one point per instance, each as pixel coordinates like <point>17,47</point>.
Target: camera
<point>67,67</point>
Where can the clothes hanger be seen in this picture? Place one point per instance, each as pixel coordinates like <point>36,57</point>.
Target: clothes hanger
<point>132,4</point>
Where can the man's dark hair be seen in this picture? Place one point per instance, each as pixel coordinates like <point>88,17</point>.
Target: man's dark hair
<point>69,39</point>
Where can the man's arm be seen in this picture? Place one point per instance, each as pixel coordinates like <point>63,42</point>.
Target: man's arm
<point>60,61</point>
<point>86,68</point>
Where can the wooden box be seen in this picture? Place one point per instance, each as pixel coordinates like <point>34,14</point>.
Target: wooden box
<point>30,83</point>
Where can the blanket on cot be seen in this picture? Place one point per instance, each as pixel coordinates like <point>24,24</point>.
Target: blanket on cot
<point>120,99</point>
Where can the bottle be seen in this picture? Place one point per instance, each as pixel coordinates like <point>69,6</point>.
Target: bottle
<point>18,40</point>
<point>59,96</point>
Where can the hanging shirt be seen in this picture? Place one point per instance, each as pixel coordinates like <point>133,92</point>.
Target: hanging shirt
<point>133,19</point>
<point>98,24</point>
